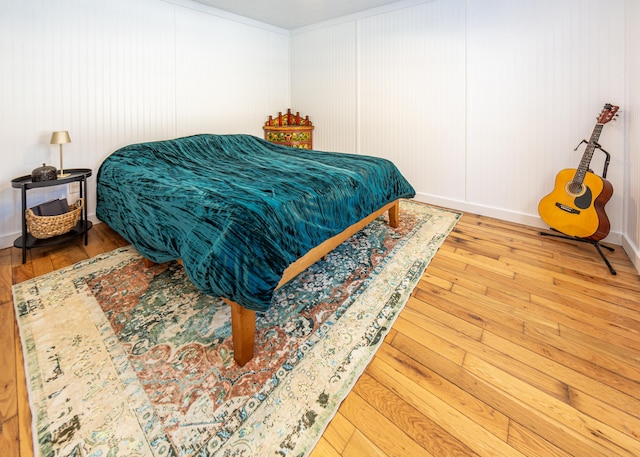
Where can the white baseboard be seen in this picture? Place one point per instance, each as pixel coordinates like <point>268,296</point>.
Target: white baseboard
<point>616,238</point>
<point>632,251</point>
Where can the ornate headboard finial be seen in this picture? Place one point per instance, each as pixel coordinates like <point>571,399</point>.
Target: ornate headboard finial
<point>287,119</point>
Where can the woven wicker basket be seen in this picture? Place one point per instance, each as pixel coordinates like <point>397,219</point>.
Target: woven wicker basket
<point>49,226</point>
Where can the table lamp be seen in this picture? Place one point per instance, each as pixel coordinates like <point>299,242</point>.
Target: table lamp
<point>61,138</point>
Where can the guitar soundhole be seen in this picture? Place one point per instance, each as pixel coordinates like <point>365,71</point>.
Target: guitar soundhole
<point>575,188</point>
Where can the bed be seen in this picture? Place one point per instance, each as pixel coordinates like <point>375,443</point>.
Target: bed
<point>243,215</point>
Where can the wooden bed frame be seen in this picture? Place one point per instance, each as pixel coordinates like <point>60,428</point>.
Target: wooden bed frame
<point>243,320</point>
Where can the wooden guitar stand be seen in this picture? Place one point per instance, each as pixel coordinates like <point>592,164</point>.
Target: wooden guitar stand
<point>587,240</point>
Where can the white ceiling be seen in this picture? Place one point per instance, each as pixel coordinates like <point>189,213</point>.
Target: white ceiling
<point>291,14</point>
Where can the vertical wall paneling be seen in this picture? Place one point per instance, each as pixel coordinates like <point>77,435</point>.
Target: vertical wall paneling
<point>539,72</point>
<point>91,68</point>
<point>323,73</point>
<point>226,88</point>
<point>412,94</point>
<point>631,113</point>
<point>118,72</point>
<point>276,83</point>
<point>481,103</point>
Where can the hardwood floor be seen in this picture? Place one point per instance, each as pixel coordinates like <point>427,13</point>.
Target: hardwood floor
<point>513,344</point>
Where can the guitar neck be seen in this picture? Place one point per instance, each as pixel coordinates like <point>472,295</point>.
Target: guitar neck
<point>588,154</point>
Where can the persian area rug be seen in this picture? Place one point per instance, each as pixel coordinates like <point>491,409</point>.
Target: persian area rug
<point>124,360</point>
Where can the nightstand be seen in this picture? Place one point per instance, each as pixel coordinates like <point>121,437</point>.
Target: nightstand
<point>28,241</point>
<point>289,130</point>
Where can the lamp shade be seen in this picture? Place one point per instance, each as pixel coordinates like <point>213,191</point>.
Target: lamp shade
<point>60,137</point>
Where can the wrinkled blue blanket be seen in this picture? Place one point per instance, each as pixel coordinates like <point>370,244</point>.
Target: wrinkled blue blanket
<point>237,209</point>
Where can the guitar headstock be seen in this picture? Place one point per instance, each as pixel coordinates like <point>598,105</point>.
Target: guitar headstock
<point>607,113</point>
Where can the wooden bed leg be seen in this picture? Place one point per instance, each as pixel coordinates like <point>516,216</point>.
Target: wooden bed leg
<point>243,330</point>
<point>394,213</point>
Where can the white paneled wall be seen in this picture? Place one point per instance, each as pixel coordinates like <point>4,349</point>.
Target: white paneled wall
<point>328,95</point>
<point>411,93</point>
<point>88,67</point>
<point>631,240</point>
<point>118,72</point>
<point>230,76</point>
<point>539,72</point>
<point>480,102</point>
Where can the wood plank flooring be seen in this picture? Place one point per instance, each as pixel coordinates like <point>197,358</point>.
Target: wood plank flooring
<point>513,344</point>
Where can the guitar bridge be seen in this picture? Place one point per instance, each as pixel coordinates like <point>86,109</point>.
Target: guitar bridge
<point>568,209</point>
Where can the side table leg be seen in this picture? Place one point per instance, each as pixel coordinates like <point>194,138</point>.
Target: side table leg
<point>85,224</point>
<point>24,225</point>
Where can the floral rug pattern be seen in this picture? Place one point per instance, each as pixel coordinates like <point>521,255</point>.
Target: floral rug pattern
<point>124,360</point>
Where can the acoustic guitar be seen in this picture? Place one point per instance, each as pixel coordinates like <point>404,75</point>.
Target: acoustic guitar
<point>575,207</point>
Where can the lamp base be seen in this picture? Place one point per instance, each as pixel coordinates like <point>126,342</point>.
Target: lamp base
<point>64,175</point>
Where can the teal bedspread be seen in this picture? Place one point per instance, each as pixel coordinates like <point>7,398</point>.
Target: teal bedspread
<point>237,209</point>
